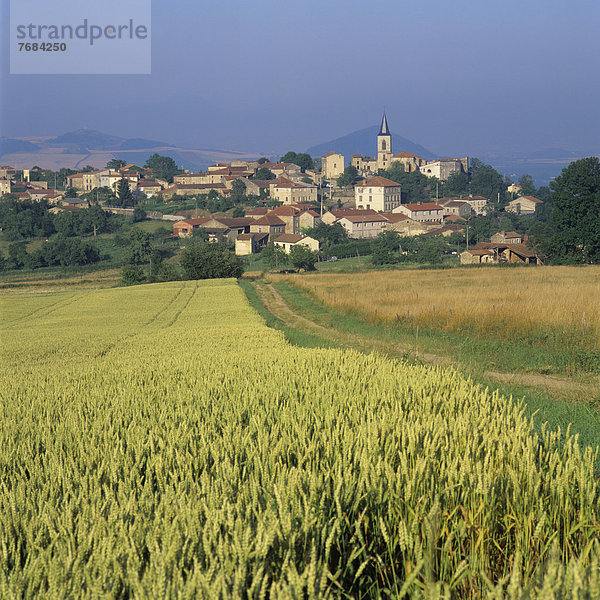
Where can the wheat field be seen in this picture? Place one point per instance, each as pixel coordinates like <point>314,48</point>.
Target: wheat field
<point>558,305</point>
<point>160,441</point>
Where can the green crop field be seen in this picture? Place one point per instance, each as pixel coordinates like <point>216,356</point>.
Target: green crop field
<point>161,442</point>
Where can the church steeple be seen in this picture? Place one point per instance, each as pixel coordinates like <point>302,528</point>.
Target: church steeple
<point>384,130</point>
<point>384,145</point>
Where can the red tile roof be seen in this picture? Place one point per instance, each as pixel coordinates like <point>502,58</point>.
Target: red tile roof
<point>395,217</point>
<point>290,238</point>
<point>270,220</point>
<point>342,212</point>
<point>424,206</point>
<point>376,218</point>
<point>531,199</point>
<point>378,181</point>
<point>194,222</point>
<point>286,211</point>
<point>406,155</point>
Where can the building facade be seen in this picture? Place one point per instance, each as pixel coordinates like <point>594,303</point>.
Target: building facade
<point>332,165</point>
<point>378,193</point>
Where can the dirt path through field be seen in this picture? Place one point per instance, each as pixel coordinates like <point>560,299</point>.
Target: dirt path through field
<point>277,306</point>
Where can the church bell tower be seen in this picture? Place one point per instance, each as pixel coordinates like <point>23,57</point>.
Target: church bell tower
<point>384,145</point>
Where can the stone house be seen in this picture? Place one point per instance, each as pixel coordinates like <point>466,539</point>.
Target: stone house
<point>378,193</point>
<point>250,243</point>
<point>5,186</point>
<point>477,256</point>
<point>454,207</point>
<point>332,216</point>
<point>290,215</point>
<point>403,225</point>
<point>293,192</point>
<point>507,237</point>
<point>258,212</point>
<point>364,226</point>
<point>332,165</point>
<point>309,219</point>
<point>288,240</point>
<point>523,205</point>
<point>411,162</point>
<point>444,167</point>
<point>365,165</point>
<point>185,227</point>
<point>149,187</point>
<point>269,224</point>
<point>427,211</point>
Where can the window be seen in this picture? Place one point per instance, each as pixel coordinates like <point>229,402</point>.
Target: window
<point>383,145</point>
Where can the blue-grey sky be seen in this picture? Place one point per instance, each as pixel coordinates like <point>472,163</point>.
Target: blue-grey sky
<point>461,77</point>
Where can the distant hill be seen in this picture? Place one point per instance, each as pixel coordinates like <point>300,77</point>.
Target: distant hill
<point>553,153</point>
<point>364,142</point>
<point>82,147</point>
<point>139,143</point>
<point>8,146</point>
<point>88,139</point>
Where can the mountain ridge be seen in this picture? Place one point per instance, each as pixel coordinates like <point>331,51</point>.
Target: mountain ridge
<point>364,141</point>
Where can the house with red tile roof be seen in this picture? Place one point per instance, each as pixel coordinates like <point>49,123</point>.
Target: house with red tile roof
<point>523,205</point>
<point>427,211</point>
<point>293,192</point>
<point>378,193</point>
<point>332,165</point>
<point>185,227</point>
<point>288,240</point>
<point>270,224</point>
<point>364,225</point>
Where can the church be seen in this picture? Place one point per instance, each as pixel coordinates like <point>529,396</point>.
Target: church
<point>441,169</point>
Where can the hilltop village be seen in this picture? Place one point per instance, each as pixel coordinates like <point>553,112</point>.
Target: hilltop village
<point>252,203</point>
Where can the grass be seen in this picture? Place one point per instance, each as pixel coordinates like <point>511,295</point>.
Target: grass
<point>57,279</point>
<point>475,357</point>
<point>294,336</point>
<point>554,307</point>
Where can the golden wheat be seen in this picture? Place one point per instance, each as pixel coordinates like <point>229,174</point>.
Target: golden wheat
<point>560,304</point>
<point>161,442</point>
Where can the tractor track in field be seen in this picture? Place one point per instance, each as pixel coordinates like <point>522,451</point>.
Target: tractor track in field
<point>278,307</point>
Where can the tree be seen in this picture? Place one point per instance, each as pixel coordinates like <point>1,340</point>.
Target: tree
<point>476,164</point>
<point>115,163</point>
<point>139,214</point>
<point>415,186</point>
<point>139,248</point>
<point>575,215</point>
<point>132,275</point>
<point>207,260</point>
<point>238,190</point>
<point>349,177</point>
<point>17,255</point>
<point>328,235</point>
<point>262,160</point>
<point>303,160</point>
<point>199,234</point>
<point>386,247</point>
<point>302,257</point>
<point>124,195</point>
<point>456,184</point>
<point>527,185</point>
<point>275,256</point>
<point>432,249</point>
<point>263,173</point>
<point>163,167</point>
<point>487,182</point>
<point>71,192</point>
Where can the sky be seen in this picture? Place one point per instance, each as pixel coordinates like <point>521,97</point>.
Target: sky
<point>461,77</point>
